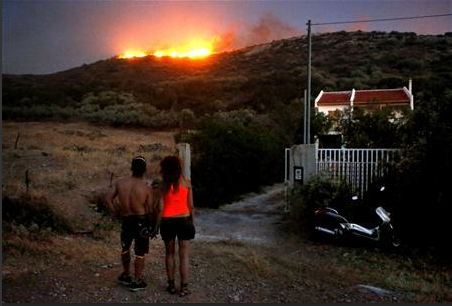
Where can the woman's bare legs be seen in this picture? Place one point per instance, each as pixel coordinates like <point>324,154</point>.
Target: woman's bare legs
<point>184,249</point>
<point>169,259</point>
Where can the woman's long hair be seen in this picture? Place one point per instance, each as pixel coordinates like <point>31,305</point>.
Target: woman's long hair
<point>171,170</point>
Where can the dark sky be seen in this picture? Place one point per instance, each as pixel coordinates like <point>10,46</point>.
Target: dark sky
<point>41,37</point>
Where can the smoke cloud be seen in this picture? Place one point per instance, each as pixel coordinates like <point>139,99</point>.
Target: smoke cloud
<point>359,26</point>
<point>227,41</point>
<point>270,28</point>
<point>267,29</point>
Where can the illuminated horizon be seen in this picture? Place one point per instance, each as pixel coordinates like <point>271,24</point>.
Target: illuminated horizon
<point>46,37</point>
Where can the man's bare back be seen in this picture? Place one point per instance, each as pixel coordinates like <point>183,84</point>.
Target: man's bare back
<point>134,195</point>
<point>135,210</point>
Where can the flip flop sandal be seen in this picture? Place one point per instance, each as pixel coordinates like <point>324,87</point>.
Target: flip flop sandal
<point>171,289</point>
<point>184,290</point>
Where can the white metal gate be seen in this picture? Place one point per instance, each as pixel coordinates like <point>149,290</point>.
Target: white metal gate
<point>359,167</point>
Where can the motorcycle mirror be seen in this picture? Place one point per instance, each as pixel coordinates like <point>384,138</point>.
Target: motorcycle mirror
<point>382,188</point>
<point>355,198</point>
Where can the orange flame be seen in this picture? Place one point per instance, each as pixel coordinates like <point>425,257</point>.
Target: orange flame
<point>176,53</point>
<point>196,49</point>
<point>132,53</point>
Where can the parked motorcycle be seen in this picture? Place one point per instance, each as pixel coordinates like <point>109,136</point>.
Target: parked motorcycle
<point>328,221</point>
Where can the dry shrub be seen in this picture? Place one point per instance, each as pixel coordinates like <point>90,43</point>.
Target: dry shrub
<point>18,246</point>
<point>97,202</point>
<point>33,210</point>
<point>261,265</point>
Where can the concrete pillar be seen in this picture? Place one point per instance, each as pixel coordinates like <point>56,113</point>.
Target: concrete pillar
<point>184,155</point>
<point>303,156</point>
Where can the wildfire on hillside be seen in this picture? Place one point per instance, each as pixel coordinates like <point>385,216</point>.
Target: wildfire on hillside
<point>195,49</point>
<point>132,54</point>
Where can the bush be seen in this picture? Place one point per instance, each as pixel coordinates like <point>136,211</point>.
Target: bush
<point>39,112</point>
<point>410,65</point>
<point>123,110</point>
<point>320,125</point>
<point>240,117</point>
<point>33,211</point>
<point>421,190</point>
<point>232,158</point>
<point>372,129</point>
<point>319,192</point>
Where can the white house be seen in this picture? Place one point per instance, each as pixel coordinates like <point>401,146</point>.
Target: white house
<point>329,102</point>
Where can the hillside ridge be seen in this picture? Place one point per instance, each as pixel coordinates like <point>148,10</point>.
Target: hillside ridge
<point>256,77</point>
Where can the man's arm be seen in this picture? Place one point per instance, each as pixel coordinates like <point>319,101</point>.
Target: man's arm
<point>111,195</point>
<point>149,205</point>
<point>158,218</point>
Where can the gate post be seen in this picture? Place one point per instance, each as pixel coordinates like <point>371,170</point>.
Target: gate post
<point>302,164</point>
<point>184,155</point>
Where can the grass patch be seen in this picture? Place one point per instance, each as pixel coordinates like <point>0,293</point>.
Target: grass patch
<point>68,162</point>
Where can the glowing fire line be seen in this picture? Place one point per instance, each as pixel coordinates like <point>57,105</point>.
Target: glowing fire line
<point>132,54</point>
<point>195,53</point>
<point>194,50</point>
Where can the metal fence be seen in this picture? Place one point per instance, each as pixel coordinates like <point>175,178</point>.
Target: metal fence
<point>358,167</point>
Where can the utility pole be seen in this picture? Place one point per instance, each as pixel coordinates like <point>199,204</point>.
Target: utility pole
<point>308,100</point>
<point>305,118</point>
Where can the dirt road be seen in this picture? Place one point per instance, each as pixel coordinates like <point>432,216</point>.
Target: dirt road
<point>253,220</point>
<point>240,254</point>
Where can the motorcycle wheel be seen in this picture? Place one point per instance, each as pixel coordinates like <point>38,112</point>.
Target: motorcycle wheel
<point>395,242</point>
<point>389,239</point>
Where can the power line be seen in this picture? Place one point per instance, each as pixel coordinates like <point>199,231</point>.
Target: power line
<point>307,123</point>
<point>385,19</point>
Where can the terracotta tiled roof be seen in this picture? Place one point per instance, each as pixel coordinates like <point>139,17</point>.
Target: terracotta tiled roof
<point>383,96</point>
<point>335,98</point>
<point>361,97</point>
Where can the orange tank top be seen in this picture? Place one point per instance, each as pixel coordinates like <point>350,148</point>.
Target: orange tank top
<point>176,202</point>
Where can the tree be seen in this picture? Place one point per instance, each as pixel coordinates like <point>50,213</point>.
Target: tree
<point>231,158</point>
<point>320,125</point>
<point>376,128</point>
<point>422,197</point>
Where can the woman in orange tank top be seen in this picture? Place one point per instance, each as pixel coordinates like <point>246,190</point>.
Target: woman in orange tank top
<point>176,212</point>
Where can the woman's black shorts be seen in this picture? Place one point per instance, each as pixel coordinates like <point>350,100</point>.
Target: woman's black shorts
<point>180,227</point>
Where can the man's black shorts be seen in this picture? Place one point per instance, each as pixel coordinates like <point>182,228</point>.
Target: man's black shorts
<point>130,230</point>
<point>180,227</point>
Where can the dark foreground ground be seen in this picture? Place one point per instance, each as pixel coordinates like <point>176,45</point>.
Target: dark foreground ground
<point>241,254</point>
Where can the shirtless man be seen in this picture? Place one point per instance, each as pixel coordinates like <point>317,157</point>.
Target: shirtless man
<point>135,210</point>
